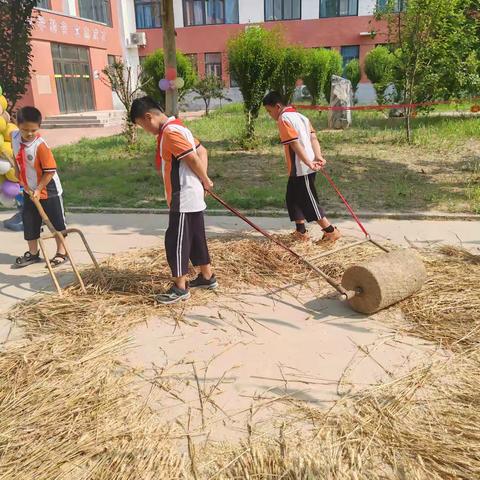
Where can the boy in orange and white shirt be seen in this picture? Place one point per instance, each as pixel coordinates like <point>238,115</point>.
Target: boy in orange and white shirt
<point>304,158</point>
<point>183,162</point>
<point>37,171</point>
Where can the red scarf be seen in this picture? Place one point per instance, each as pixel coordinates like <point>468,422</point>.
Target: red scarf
<point>20,159</point>
<point>158,161</point>
<point>289,109</point>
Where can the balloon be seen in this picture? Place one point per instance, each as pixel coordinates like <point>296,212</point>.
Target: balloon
<point>2,179</point>
<point>7,202</point>
<point>11,127</point>
<point>5,115</point>
<point>3,124</point>
<point>1,140</point>
<point>10,175</point>
<point>6,149</point>
<point>171,74</point>
<point>10,189</point>
<point>179,82</point>
<point>5,166</point>
<point>164,84</point>
<point>3,102</point>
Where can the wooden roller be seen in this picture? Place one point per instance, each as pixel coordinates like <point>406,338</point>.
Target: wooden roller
<point>384,280</point>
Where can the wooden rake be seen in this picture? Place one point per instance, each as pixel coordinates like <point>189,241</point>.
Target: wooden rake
<point>61,236</point>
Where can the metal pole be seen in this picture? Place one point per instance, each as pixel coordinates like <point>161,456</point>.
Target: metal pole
<point>169,49</point>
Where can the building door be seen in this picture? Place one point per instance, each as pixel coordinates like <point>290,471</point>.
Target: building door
<point>73,79</point>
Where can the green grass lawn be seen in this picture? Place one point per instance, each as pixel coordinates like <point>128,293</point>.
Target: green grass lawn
<point>371,162</point>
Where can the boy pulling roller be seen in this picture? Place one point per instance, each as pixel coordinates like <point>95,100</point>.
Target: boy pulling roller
<point>304,158</point>
<point>183,162</point>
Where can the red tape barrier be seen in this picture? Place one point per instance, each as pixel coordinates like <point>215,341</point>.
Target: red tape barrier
<point>475,108</point>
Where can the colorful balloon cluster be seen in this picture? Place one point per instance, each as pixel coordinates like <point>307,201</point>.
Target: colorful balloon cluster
<point>9,187</point>
<point>171,82</point>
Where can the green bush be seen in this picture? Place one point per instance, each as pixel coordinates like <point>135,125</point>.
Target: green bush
<point>317,67</point>
<point>353,72</point>
<point>254,56</point>
<point>154,70</point>
<point>379,66</point>
<point>335,67</point>
<point>292,67</point>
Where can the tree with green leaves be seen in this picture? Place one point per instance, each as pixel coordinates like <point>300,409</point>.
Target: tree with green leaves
<point>437,50</point>
<point>335,67</point>
<point>353,72</point>
<point>379,64</point>
<point>153,70</point>
<point>126,83</point>
<point>254,56</point>
<point>292,67</point>
<point>209,88</point>
<point>16,24</point>
<point>317,68</point>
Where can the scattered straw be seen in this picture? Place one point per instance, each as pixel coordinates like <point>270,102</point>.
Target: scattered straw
<point>68,410</point>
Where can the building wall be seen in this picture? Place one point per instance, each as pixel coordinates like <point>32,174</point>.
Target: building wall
<point>310,32</point>
<point>55,26</point>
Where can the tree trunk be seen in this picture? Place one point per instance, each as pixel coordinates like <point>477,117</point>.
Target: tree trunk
<point>130,132</point>
<point>207,107</point>
<point>250,127</point>
<point>408,125</point>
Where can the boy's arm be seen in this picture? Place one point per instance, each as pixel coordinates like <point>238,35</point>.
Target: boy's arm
<point>297,147</point>
<point>44,181</point>
<point>317,150</point>
<point>49,168</point>
<point>203,155</point>
<point>198,165</point>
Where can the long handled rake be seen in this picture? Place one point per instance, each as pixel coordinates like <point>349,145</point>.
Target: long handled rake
<point>61,236</point>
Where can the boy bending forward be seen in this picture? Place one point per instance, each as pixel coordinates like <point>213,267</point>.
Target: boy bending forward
<point>183,162</point>
<point>304,158</point>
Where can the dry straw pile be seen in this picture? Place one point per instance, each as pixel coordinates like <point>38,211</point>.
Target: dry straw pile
<point>69,410</point>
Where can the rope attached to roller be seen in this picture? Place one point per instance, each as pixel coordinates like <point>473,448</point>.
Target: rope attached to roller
<point>349,208</point>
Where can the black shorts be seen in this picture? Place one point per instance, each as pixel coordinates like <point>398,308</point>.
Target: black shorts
<point>302,199</point>
<point>32,221</point>
<point>185,240</point>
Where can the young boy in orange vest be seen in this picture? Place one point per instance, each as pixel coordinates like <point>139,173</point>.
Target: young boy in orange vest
<point>37,171</point>
<point>304,158</point>
<point>183,162</point>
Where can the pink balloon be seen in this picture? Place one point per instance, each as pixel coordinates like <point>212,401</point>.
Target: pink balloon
<point>10,189</point>
<point>164,84</point>
<point>171,74</point>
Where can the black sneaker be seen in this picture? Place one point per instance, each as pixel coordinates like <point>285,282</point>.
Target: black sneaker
<point>174,295</point>
<point>201,282</point>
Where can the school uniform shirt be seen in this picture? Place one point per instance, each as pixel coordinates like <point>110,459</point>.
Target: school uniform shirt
<point>294,126</point>
<point>183,189</point>
<point>34,159</point>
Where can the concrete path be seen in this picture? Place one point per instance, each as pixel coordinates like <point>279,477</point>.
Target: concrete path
<point>113,233</point>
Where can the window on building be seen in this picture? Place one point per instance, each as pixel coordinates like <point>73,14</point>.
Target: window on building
<point>349,53</point>
<point>148,14</point>
<point>111,59</point>
<point>44,4</point>
<point>398,5</point>
<point>96,10</point>
<point>210,12</point>
<point>282,10</point>
<point>194,61</point>
<point>213,64</point>
<point>141,60</point>
<point>338,8</point>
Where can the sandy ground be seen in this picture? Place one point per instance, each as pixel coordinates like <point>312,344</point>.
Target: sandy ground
<point>251,349</point>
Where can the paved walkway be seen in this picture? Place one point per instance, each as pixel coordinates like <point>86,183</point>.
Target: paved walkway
<point>113,233</point>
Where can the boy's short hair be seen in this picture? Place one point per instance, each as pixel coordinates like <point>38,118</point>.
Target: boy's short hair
<point>141,106</point>
<point>29,114</point>
<point>273,98</point>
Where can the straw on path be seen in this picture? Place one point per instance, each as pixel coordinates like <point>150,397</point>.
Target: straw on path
<point>69,410</point>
